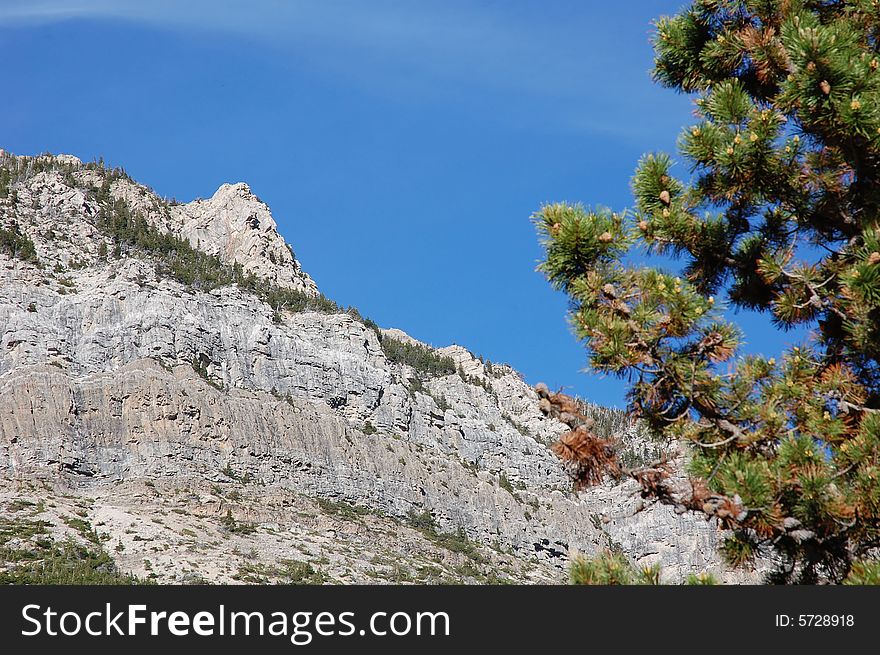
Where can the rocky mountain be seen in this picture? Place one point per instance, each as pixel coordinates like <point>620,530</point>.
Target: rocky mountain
<point>177,396</point>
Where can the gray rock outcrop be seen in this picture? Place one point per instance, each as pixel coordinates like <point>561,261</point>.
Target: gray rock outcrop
<point>115,373</point>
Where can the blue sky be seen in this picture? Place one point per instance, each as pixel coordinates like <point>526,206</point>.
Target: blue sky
<point>402,146</point>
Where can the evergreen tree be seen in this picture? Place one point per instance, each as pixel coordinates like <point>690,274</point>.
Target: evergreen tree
<point>779,213</point>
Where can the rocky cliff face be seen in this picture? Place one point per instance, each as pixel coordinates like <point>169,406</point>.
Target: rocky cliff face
<point>144,391</point>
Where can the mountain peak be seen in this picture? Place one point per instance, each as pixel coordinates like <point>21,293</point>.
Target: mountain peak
<point>233,224</point>
<point>237,226</point>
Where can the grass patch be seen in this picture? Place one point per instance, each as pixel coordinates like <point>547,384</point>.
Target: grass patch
<point>84,528</point>
<point>455,542</point>
<point>41,560</point>
<point>245,478</point>
<point>504,483</point>
<point>343,509</point>
<point>423,359</point>
<point>18,505</point>
<point>236,527</point>
<point>17,244</point>
<point>287,571</point>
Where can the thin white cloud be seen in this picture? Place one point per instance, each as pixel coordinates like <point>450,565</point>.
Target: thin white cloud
<point>409,48</point>
<point>14,12</point>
